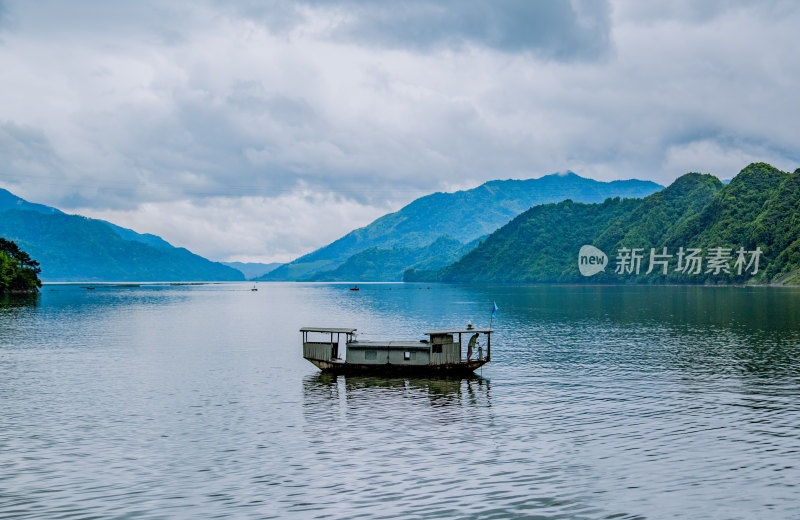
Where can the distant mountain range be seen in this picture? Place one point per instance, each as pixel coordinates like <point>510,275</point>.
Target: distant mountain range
<point>759,210</point>
<point>75,248</point>
<point>390,264</point>
<point>440,227</point>
<point>252,269</point>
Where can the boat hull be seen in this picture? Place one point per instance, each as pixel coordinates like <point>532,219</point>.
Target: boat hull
<point>465,368</point>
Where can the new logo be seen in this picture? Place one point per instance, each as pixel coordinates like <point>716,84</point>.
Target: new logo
<point>591,260</point>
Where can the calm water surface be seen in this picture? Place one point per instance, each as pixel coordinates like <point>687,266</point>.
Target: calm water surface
<point>600,402</point>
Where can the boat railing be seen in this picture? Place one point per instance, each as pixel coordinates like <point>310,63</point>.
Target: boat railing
<point>318,350</point>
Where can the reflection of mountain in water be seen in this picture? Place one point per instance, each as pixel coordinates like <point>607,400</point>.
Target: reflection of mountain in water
<point>11,301</point>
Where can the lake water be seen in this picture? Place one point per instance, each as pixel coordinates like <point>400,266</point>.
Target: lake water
<point>600,402</point>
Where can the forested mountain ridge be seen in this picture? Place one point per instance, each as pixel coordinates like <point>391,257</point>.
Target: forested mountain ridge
<point>388,265</point>
<point>728,228</point>
<point>252,270</point>
<point>76,248</point>
<point>463,215</point>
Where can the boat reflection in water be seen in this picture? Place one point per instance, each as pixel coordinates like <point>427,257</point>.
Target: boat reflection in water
<point>326,393</point>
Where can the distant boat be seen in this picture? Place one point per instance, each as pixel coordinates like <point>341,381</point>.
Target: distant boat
<point>254,288</point>
<point>441,353</point>
<point>355,288</point>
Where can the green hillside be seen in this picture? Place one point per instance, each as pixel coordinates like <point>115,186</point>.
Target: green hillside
<point>463,215</point>
<point>75,248</point>
<point>538,245</point>
<point>758,209</point>
<point>10,201</point>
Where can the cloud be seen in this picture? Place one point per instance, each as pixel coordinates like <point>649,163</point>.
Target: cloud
<point>692,12</point>
<point>26,150</point>
<point>554,30</point>
<point>27,156</point>
<point>727,158</point>
<point>259,229</point>
<point>576,30</point>
<point>132,110</point>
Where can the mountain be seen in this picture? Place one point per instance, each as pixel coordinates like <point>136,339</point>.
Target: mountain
<point>537,246</point>
<point>10,201</point>
<point>252,269</point>
<point>75,248</point>
<point>463,215</point>
<point>661,214</point>
<point>388,265</point>
<point>758,209</point>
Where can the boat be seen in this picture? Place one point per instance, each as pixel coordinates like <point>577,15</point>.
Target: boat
<point>254,288</point>
<point>443,352</point>
<point>355,288</point>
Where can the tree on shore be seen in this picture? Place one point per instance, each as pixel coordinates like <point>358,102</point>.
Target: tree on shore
<point>18,271</point>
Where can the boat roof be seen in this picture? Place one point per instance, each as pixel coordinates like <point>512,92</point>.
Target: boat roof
<point>328,329</point>
<point>391,345</point>
<point>457,331</point>
<point>336,330</point>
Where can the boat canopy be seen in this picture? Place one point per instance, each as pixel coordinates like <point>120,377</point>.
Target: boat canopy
<point>457,331</point>
<point>333,330</point>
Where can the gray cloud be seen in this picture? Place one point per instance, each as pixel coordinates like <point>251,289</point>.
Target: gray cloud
<point>23,145</point>
<point>280,16</point>
<point>555,30</point>
<point>27,155</point>
<point>4,20</point>
<point>690,11</point>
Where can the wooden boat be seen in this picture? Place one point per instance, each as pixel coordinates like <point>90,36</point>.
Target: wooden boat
<point>441,353</point>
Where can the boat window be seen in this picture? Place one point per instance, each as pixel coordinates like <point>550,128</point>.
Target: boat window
<point>436,349</point>
<point>407,355</point>
<point>370,354</point>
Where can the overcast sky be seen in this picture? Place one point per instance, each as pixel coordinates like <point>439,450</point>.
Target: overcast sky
<point>261,130</point>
